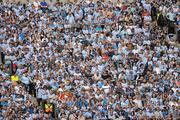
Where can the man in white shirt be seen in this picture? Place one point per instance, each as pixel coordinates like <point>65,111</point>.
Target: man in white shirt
<point>36,4</point>
<point>171,16</point>
<point>70,18</point>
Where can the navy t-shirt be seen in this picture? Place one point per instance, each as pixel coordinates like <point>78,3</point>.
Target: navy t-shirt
<point>44,4</point>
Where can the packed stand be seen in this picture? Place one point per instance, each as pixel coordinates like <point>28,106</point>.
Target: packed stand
<point>90,60</point>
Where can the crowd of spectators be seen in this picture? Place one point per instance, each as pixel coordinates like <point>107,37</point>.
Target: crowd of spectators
<point>90,60</point>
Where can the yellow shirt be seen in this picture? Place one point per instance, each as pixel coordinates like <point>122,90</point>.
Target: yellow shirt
<point>15,78</point>
<point>48,108</point>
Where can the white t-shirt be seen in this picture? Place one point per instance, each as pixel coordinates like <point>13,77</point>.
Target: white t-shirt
<point>25,80</point>
<point>171,16</point>
<point>70,19</point>
<point>106,88</point>
<point>147,7</point>
<point>36,5</point>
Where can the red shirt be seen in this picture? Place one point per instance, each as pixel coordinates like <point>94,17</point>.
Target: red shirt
<point>105,57</point>
<point>14,66</point>
<point>145,14</point>
<point>124,7</point>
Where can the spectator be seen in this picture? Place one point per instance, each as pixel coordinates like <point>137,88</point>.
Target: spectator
<point>90,60</point>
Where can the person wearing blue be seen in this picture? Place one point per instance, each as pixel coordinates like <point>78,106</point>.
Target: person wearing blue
<point>21,36</point>
<point>44,6</point>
